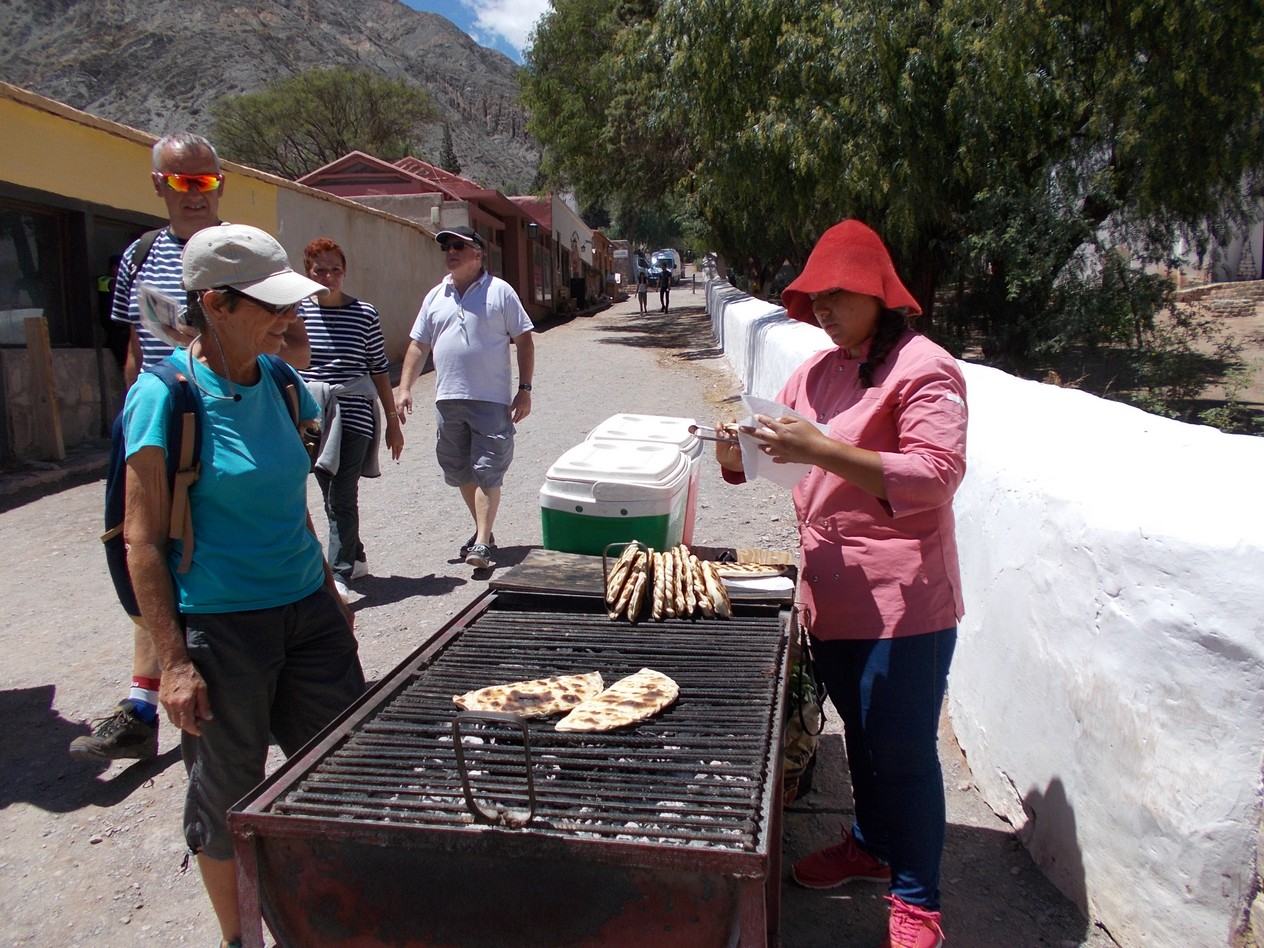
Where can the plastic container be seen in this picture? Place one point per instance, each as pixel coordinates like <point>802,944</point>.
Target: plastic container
<point>601,492</point>
<point>663,430</point>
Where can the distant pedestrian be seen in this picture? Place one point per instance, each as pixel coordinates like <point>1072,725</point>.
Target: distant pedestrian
<point>643,290</point>
<point>664,286</point>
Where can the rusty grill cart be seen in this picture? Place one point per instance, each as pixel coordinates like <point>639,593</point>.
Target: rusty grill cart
<point>667,832</point>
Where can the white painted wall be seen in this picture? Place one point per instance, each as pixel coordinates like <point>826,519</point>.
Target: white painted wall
<point>1108,687</point>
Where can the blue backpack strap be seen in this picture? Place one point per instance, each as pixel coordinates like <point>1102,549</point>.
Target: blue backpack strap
<point>287,382</point>
<point>184,453</point>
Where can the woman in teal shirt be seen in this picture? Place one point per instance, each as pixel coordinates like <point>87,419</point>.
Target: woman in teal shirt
<point>254,641</point>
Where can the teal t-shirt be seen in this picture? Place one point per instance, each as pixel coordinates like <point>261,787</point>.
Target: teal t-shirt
<point>251,545</point>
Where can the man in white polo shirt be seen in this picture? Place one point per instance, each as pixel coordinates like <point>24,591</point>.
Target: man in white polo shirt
<point>468,321</point>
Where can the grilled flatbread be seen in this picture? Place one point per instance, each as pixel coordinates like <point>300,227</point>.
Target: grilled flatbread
<point>715,589</point>
<point>534,699</point>
<point>737,570</point>
<point>658,575</point>
<point>636,571</point>
<point>627,701</point>
<point>619,572</point>
<point>700,585</point>
<point>636,601</point>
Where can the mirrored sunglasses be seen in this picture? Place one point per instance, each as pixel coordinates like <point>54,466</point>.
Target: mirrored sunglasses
<point>192,182</point>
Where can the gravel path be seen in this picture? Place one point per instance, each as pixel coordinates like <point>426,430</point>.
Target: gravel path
<point>91,855</point>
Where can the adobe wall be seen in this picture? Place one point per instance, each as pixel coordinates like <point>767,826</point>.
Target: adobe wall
<point>1108,687</point>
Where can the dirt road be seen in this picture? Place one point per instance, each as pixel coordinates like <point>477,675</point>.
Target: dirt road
<point>91,856</point>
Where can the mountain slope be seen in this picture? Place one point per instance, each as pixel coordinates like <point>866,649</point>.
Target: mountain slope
<point>160,65</point>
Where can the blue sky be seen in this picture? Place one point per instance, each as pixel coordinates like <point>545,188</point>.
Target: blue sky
<point>502,25</point>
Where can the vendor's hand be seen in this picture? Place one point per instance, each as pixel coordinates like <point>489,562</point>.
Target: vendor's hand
<point>789,440</point>
<point>403,404</point>
<point>727,451</point>
<point>394,437</point>
<point>183,694</point>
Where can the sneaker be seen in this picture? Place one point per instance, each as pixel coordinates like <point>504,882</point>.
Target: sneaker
<point>341,585</point>
<point>124,735</point>
<point>359,568</point>
<point>842,862</point>
<point>469,545</point>
<point>911,926</point>
<point>479,555</point>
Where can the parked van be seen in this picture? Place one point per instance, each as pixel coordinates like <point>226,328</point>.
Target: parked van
<point>671,260</point>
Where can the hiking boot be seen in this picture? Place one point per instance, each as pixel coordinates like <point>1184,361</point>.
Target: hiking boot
<point>912,926</point>
<point>843,862</point>
<point>469,545</point>
<point>480,555</point>
<point>124,735</point>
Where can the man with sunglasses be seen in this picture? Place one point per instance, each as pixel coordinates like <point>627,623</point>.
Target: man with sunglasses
<point>186,175</point>
<point>469,321</point>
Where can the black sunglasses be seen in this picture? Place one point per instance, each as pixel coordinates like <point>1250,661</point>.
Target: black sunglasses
<point>453,245</point>
<point>273,308</point>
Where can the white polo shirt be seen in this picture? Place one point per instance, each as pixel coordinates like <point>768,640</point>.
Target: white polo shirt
<point>469,337</point>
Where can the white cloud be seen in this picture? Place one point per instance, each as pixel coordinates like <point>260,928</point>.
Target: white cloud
<point>507,20</point>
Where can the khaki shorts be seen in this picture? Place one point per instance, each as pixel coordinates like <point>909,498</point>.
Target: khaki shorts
<point>474,442</point>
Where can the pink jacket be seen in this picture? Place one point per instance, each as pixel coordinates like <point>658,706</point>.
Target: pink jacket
<point>876,569</point>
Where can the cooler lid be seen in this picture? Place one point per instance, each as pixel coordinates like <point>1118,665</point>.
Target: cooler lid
<point>629,462</point>
<point>658,429</point>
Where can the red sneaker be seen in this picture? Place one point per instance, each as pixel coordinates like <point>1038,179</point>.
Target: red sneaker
<point>911,926</point>
<point>842,862</point>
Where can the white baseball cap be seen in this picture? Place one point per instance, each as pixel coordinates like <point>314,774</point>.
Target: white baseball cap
<point>247,259</point>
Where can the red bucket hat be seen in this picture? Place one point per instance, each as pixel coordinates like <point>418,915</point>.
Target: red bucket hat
<point>849,256</point>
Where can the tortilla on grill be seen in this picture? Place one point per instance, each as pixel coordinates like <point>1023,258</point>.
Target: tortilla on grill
<point>627,701</point>
<point>534,699</point>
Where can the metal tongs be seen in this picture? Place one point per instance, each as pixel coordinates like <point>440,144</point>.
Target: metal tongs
<point>711,434</point>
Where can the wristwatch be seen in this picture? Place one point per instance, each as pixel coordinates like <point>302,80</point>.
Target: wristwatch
<point>524,386</point>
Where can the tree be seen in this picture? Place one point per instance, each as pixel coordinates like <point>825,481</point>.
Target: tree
<point>301,123</point>
<point>593,101</point>
<point>448,160</point>
<point>1003,148</point>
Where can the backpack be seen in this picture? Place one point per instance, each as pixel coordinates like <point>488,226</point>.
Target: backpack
<point>184,440</point>
<point>140,251</point>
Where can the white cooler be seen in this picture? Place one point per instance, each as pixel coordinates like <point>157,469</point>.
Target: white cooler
<point>601,492</point>
<point>662,430</point>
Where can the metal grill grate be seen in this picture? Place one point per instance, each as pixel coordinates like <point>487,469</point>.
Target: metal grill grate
<point>690,776</point>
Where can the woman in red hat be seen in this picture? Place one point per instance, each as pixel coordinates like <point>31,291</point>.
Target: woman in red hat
<point>880,591</point>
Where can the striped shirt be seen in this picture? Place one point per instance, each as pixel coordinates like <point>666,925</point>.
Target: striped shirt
<point>163,270</point>
<point>346,344</point>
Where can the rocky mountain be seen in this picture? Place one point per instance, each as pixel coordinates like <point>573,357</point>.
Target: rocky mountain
<point>159,65</point>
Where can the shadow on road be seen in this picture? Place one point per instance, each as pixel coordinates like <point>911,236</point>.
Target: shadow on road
<point>34,765</point>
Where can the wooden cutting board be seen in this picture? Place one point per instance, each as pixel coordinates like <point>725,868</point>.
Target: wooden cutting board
<point>551,571</point>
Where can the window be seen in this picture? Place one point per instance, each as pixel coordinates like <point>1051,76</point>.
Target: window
<point>32,274</point>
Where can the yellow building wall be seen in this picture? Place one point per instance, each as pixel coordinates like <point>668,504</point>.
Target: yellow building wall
<point>52,147</point>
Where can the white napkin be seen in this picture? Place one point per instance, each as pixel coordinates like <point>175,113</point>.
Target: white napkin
<point>754,461</point>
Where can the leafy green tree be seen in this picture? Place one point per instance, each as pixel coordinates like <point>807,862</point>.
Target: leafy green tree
<point>301,123</point>
<point>1004,148</point>
<point>602,112</point>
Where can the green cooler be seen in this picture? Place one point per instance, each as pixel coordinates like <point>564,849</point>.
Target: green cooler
<point>662,430</point>
<point>601,492</point>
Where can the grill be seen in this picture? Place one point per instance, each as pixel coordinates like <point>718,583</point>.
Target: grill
<point>406,823</point>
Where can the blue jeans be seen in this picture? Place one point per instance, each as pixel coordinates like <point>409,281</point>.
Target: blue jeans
<point>889,693</point>
<point>342,503</point>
